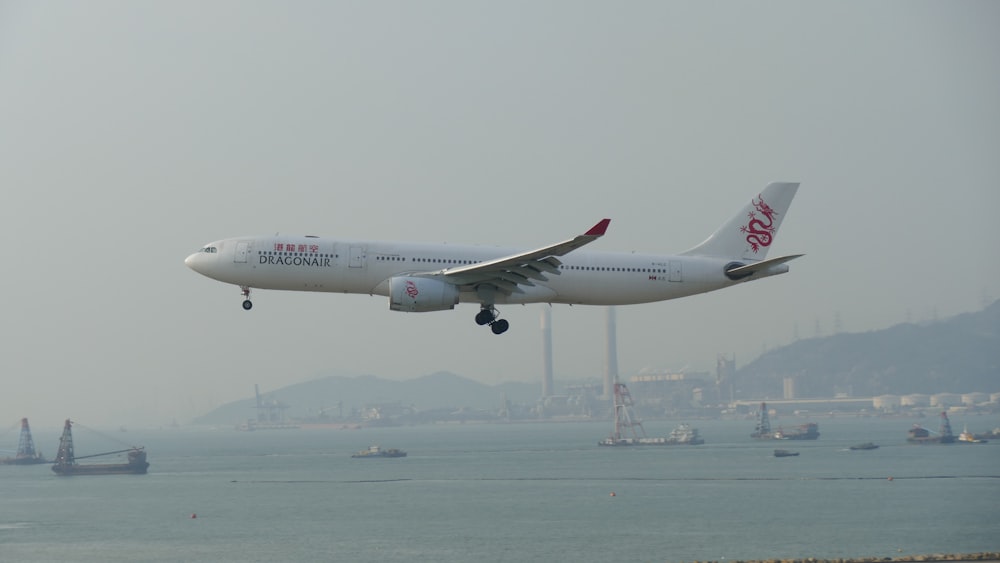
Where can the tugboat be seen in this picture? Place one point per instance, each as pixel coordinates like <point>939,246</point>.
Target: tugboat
<point>966,437</point>
<point>66,461</point>
<point>377,451</point>
<point>26,452</point>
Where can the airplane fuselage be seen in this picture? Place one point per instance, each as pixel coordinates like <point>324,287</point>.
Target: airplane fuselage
<point>436,277</point>
<point>358,266</point>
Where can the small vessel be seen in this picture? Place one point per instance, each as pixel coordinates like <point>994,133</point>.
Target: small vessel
<point>966,437</point>
<point>66,460</point>
<point>785,453</point>
<point>684,435</point>
<point>377,451</point>
<point>26,452</point>
<point>864,446</point>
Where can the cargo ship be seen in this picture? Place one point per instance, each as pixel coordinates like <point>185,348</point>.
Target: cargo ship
<point>377,451</point>
<point>807,431</point>
<point>66,460</point>
<point>26,452</point>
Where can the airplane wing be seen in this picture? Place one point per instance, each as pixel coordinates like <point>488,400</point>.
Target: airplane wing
<point>507,273</point>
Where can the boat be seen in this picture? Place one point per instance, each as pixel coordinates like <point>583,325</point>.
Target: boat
<point>26,452</point>
<point>685,435</point>
<point>377,451</point>
<point>807,431</point>
<point>920,435</point>
<point>864,446</point>
<point>628,430</point>
<point>785,453</point>
<point>763,429</point>
<point>991,435</point>
<point>66,460</point>
<point>966,437</point>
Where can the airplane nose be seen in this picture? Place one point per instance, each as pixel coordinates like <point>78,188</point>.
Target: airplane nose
<point>192,262</point>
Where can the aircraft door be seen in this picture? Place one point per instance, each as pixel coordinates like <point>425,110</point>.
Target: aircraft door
<point>357,257</point>
<point>242,249</point>
<point>676,273</point>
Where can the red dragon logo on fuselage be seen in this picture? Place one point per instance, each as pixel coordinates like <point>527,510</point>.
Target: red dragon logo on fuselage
<point>759,232</point>
<point>411,289</point>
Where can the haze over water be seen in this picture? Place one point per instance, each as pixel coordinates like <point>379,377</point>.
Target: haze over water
<point>525,492</point>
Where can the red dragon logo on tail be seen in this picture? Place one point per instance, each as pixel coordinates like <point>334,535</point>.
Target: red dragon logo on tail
<point>759,228</point>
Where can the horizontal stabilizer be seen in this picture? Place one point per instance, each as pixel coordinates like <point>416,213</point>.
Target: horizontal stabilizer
<point>740,271</point>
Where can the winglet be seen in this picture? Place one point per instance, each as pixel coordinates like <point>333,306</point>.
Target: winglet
<point>599,229</point>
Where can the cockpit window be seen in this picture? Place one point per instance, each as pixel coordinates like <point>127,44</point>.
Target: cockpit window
<point>209,249</point>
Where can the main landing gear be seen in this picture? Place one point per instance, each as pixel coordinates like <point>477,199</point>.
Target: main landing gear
<point>245,291</point>
<point>488,316</point>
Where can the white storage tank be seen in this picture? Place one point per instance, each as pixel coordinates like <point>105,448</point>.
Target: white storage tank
<point>887,402</point>
<point>915,400</point>
<point>945,400</point>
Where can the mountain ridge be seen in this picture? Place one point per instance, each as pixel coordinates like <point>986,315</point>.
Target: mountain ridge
<point>959,354</point>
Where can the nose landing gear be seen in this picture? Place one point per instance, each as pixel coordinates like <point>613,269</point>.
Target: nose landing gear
<point>488,316</point>
<point>245,292</point>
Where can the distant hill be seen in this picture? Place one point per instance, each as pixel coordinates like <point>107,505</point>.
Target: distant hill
<point>956,355</point>
<point>433,391</point>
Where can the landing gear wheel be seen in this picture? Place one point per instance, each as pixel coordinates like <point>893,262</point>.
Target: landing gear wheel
<point>245,292</point>
<point>485,317</point>
<point>500,326</point>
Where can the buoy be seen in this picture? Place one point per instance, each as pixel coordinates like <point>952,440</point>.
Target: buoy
<point>612,493</point>
<point>890,478</point>
<point>193,515</point>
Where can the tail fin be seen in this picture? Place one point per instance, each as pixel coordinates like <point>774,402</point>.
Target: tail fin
<point>749,234</point>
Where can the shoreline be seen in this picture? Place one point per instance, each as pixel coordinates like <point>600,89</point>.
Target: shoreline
<point>988,556</point>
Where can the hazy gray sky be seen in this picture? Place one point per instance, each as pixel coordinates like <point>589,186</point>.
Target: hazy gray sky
<point>133,132</point>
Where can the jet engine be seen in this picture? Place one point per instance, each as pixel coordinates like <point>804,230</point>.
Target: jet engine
<point>419,295</point>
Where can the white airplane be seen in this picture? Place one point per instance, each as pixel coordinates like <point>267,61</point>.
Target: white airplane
<point>435,277</point>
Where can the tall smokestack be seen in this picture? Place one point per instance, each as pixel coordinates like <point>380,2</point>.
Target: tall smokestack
<point>547,352</point>
<point>611,356</point>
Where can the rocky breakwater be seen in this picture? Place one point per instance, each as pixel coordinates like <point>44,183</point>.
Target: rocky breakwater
<point>953,557</point>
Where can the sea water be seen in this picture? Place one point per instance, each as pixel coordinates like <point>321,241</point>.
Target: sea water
<point>511,492</point>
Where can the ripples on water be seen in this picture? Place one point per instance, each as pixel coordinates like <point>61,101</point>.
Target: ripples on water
<point>520,492</point>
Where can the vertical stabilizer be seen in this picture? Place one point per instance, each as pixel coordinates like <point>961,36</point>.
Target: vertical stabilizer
<point>749,234</point>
